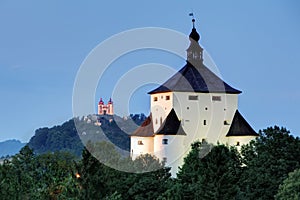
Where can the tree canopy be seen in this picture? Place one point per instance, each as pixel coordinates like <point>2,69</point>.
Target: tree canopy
<point>266,168</point>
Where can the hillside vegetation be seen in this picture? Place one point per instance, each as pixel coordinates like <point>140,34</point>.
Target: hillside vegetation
<point>69,136</point>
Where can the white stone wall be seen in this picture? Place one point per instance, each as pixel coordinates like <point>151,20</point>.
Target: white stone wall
<point>137,149</point>
<point>238,141</point>
<point>160,107</point>
<point>204,117</point>
<point>173,151</point>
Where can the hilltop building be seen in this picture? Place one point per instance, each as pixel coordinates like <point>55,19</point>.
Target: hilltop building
<point>107,109</point>
<point>194,104</point>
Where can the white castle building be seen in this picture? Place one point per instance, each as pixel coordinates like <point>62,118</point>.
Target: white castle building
<point>194,104</point>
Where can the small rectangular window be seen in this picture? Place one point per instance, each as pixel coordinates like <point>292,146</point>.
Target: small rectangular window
<point>164,141</point>
<point>237,143</point>
<point>193,97</point>
<point>226,122</point>
<point>216,98</point>
<point>168,97</point>
<point>204,122</point>
<point>164,160</point>
<point>140,142</point>
<point>155,99</point>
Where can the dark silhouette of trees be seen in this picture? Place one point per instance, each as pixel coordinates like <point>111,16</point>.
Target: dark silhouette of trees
<point>267,168</point>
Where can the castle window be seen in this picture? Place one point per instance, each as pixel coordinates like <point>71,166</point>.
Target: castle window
<point>168,97</point>
<point>204,122</point>
<point>206,108</point>
<point>187,108</point>
<point>140,142</point>
<point>155,99</point>
<point>226,122</point>
<point>193,97</point>
<point>156,121</point>
<point>164,141</point>
<point>164,160</point>
<point>216,98</point>
<point>160,120</point>
<point>237,143</point>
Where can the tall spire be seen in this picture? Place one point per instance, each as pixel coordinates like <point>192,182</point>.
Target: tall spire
<point>195,51</point>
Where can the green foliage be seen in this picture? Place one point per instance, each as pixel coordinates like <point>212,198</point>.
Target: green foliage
<point>57,138</point>
<point>100,181</point>
<point>47,176</point>
<point>268,160</point>
<point>208,172</point>
<point>68,137</point>
<point>290,188</point>
<point>213,176</point>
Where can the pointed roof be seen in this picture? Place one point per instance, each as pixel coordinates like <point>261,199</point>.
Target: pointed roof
<point>101,101</point>
<point>240,127</point>
<point>195,79</point>
<point>146,129</point>
<point>171,125</point>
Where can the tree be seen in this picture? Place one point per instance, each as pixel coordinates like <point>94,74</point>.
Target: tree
<point>290,188</point>
<point>90,171</point>
<point>211,176</point>
<point>24,167</point>
<point>267,162</point>
<point>8,181</point>
<point>151,179</point>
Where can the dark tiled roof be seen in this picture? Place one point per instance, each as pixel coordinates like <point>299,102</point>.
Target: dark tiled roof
<point>195,79</point>
<point>240,127</point>
<point>171,125</point>
<point>146,129</point>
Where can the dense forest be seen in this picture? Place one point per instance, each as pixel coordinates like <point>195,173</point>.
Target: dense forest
<point>267,168</point>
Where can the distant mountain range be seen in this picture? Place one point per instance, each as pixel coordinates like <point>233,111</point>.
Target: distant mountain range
<point>10,147</point>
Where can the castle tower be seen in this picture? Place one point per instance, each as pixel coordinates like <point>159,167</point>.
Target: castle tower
<point>110,108</point>
<point>194,104</point>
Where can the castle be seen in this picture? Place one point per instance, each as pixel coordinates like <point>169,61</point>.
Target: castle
<point>107,109</point>
<point>194,104</point>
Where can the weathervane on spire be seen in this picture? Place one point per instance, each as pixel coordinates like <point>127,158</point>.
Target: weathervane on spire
<point>193,19</point>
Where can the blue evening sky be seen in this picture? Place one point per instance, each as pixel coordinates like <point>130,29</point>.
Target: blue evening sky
<point>255,45</point>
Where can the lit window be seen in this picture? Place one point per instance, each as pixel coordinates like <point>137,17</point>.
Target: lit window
<point>193,97</point>
<point>168,97</point>
<point>140,142</point>
<point>164,141</point>
<point>216,98</point>
<point>155,99</point>
<point>204,122</point>
<point>237,143</point>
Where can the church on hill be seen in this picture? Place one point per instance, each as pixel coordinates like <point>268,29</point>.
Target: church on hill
<point>107,109</point>
<point>194,104</point>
